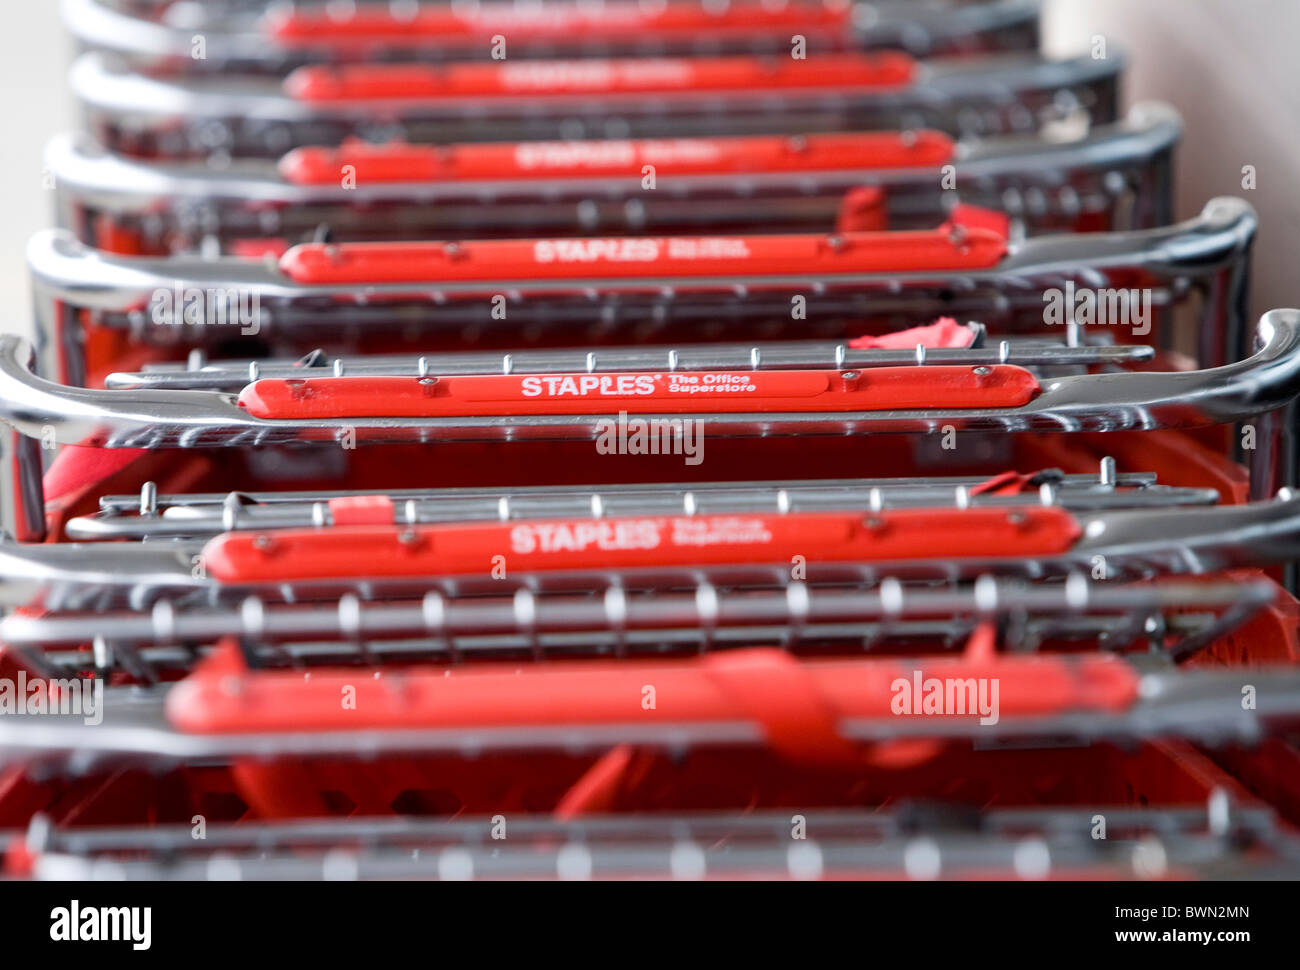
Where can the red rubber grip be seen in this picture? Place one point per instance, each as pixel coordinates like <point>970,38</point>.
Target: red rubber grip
<point>800,704</point>
<point>615,543</point>
<point>952,247</point>
<point>671,392</point>
<point>840,73</point>
<point>371,24</point>
<point>577,159</point>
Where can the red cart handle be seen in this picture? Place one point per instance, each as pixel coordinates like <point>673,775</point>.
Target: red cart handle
<point>611,20</point>
<point>871,389</point>
<point>878,388</point>
<point>578,159</point>
<point>799,704</point>
<point>363,551</point>
<point>832,73</point>
<point>972,239</point>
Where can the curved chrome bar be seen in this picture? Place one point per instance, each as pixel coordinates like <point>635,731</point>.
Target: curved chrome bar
<point>1104,402</point>
<point>233,375</point>
<point>1222,233</point>
<point>87,175</point>
<point>39,574</point>
<point>68,271</point>
<point>1206,540</point>
<point>105,84</point>
<point>1133,544</point>
<point>1206,255</point>
<point>193,517</point>
<point>253,117</point>
<point>1150,128</point>
<point>152,44</point>
<point>1202,705</point>
<point>234,40</point>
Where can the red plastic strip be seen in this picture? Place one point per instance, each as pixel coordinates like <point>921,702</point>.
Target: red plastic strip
<point>76,465</point>
<point>944,333</point>
<point>863,209</point>
<point>1007,483</point>
<point>362,510</point>
<point>579,159</point>
<point>800,704</point>
<point>473,548</point>
<point>951,247</point>
<point>839,73</point>
<point>19,860</point>
<point>369,24</point>
<point>598,788</point>
<point>670,392</point>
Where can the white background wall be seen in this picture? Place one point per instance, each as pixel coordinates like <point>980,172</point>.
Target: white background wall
<point>34,55</point>
<point>1230,66</point>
